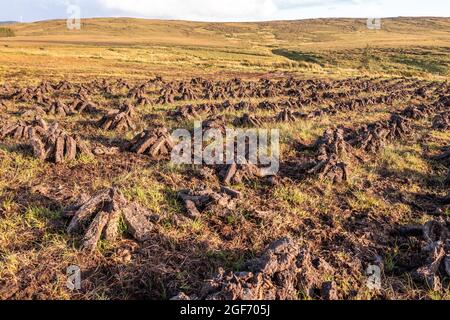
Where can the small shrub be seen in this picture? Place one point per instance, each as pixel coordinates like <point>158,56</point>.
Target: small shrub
<point>7,32</point>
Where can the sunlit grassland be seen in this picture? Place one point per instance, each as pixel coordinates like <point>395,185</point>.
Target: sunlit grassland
<point>141,48</point>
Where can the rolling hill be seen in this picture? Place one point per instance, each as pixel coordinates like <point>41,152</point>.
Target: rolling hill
<point>121,46</point>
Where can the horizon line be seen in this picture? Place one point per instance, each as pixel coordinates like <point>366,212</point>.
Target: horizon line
<point>230,21</point>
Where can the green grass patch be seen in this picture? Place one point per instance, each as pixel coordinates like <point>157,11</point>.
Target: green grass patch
<point>6,32</point>
<point>299,56</point>
<point>422,64</point>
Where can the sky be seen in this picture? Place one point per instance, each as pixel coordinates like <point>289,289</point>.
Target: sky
<point>221,10</point>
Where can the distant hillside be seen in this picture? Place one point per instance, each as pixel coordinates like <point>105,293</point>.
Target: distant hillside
<point>8,22</point>
<point>311,33</point>
<point>138,47</point>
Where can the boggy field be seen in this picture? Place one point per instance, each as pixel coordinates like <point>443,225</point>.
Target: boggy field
<point>86,179</point>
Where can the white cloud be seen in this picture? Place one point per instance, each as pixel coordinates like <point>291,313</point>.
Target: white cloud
<point>225,10</point>
<point>253,10</point>
<point>196,9</point>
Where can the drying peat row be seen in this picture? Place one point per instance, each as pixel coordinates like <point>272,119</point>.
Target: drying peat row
<point>65,98</point>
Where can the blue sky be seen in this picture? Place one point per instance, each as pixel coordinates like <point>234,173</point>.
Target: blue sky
<point>222,10</point>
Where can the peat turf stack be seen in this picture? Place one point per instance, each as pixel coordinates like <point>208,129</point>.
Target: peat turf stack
<point>102,214</point>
